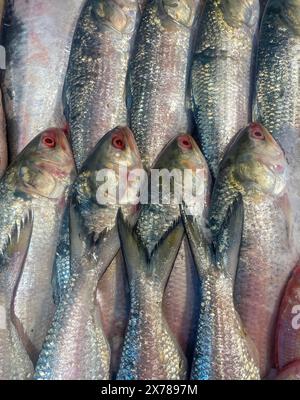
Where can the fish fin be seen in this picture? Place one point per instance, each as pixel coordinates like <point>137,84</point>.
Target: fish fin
<point>135,254</point>
<point>228,239</point>
<point>200,247</point>
<point>165,252</point>
<point>158,264</point>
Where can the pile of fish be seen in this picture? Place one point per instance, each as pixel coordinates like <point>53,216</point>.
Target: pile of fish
<point>141,290</point>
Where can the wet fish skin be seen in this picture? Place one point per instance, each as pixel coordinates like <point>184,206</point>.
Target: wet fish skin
<point>221,73</point>
<point>223,350</point>
<point>255,167</point>
<point>39,180</point>
<point>37,38</point>
<point>92,230</point>
<point>150,351</point>
<point>157,76</point>
<point>287,334</point>
<point>15,363</point>
<point>94,89</point>
<point>182,291</point>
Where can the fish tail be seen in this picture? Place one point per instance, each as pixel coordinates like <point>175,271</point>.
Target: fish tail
<point>158,264</point>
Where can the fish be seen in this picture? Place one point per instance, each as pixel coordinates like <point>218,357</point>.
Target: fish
<point>157,77</point>
<point>221,74</point>
<point>38,180</point>
<point>37,37</point>
<point>15,363</point>
<point>94,244</point>
<point>290,372</point>
<point>150,351</point>
<point>94,89</point>
<point>276,103</point>
<point>180,299</point>
<point>255,167</point>
<point>287,342</point>
<point>3,141</point>
<point>223,350</point>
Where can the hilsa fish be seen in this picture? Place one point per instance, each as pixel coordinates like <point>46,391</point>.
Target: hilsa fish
<point>150,351</point>
<point>3,140</point>
<point>81,341</point>
<point>277,89</point>
<point>255,167</point>
<point>158,73</point>
<point>37,37</point>
<point>180,302</point>
<point>223,351</point>
<point>38,180</point>
<point>221,73</point>
<point>94,89</point>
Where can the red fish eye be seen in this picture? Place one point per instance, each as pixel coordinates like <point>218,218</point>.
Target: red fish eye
<point>185,143</point>
<point>118,142</point>
<point>49,141</point>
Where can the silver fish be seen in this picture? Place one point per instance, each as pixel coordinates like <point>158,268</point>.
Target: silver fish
<point>94,244</point>
<point>37,37</point>
<point>150,351</point>
<point>221,73</point>
<point>94,90</point>
<point>38,180</point>
<point>255,167</point>
<point>223,350</point>
<point>158,73</point>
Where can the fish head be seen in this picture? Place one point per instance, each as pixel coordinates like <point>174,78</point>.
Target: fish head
<point>116,14</point>
<point>45,167</point>
<point>111,175</point>
<point>238,13</point>
<point>258,161</point>
<point>182,12</point>
<point>183,158</point>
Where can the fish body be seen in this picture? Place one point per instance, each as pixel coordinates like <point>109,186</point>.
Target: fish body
<point>180,302</point>
<point>38,180</point>
<point>277,90</point>
<point>288,325</point>
<point>221,73</point>
<point>94,244</point>
<point>255,168</point>
<point>150,351</point>
<point>158,73</point>
<point>94,90</point>
<point>223,350</point>
<point>15,363</point>
<point>37,38</point>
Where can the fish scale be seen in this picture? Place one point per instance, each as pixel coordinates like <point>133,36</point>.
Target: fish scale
<point>221,74</point>
<point>255,168</point>
<point>157,76</point>
<point>94,89</point>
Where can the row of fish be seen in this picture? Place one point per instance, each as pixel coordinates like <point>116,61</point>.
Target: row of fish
<point>157,66</point>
